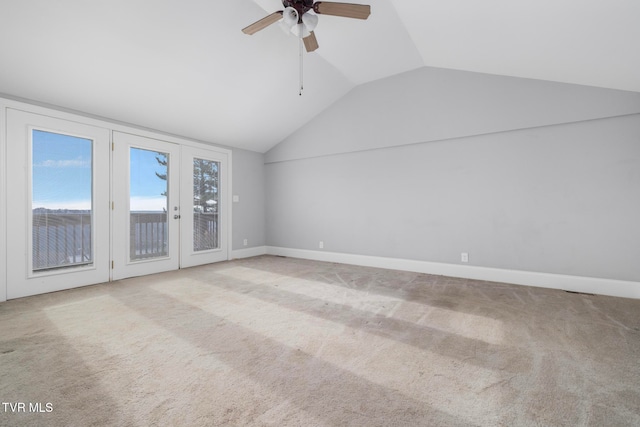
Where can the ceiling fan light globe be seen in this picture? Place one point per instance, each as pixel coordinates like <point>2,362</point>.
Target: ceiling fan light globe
<point>310,21</point>
<point>289,17</point>
<point>300,31</point>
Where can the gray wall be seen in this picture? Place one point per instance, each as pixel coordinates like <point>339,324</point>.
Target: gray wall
<point>556,191</point>
<point>432,104</point>
<point>249,212</point>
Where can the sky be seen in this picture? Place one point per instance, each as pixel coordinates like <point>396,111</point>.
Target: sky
<point>62,174</point>
<point>146,188</point>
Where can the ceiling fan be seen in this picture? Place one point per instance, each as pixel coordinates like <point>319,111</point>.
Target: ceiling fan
<point>297,19</point>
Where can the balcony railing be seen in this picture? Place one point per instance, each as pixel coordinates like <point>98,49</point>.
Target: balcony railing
<point>64,239</point>
<point>61,240</point>
<point>205,231</point>
<point>148,235</point>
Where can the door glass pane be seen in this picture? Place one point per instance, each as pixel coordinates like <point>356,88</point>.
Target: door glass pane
<point>61,200</point>
<point>205,205</point>
<point>148,237</point>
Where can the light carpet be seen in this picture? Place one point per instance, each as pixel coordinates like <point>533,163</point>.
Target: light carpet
<point>271,341</point>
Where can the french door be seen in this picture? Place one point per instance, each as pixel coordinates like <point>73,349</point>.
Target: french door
<point>169,205</point>
<point>146,206</point>
<point>58,204</point>
<point>86,205</point>
<point>204,218</point>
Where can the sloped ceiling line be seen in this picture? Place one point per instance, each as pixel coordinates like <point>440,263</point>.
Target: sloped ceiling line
<point>432,104</point>
<point>189,70</point>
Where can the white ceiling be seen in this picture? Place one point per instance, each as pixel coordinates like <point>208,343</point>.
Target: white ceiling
<point>184,67</point>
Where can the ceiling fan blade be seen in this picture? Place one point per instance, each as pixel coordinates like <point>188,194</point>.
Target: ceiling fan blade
<point>263,23</point>
<point>348,10</point>
<point>310,42</point>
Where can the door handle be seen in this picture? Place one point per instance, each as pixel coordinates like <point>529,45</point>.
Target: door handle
<point>176,217</point>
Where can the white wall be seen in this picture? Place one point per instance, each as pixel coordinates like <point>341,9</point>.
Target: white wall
<point>553,193</point>
<point>248,212</point>
<point>3,204</point>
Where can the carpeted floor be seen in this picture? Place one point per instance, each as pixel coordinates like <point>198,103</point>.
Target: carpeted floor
<point>286,342</point>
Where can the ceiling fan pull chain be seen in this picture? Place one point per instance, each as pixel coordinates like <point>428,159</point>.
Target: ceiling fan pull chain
<point>301,70</point>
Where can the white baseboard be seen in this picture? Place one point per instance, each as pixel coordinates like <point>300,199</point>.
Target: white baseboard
<point>249,252</point>
<point>590,285</point>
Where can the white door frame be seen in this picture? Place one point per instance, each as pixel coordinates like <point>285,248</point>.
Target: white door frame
<point>122,266</point>
<point>21,280</point>
<point>181,248</point>
<point>189,257</point>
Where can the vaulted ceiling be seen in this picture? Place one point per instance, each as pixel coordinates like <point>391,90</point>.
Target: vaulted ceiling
<point>184,67</point>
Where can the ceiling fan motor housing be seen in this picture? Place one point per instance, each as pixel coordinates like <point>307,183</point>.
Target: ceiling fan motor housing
<point>301,6</point>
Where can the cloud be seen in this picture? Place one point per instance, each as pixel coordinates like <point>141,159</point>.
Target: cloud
<point>71,163</point>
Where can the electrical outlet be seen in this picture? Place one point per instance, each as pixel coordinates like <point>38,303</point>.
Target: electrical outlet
<point>464,257</point>
<point>321,245</point>
<point>246,242</point>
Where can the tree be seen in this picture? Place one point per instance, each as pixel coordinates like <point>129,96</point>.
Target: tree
<point>205,185</point>
<point>161,158</point>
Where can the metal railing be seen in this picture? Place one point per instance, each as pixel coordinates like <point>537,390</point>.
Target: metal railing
<point>205,231</point>
<point>61,240</point>
<point>64,239</point>
<point>148,235</point>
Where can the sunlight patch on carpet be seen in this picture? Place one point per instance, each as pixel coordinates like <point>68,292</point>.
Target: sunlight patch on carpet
<point>450,321</point>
